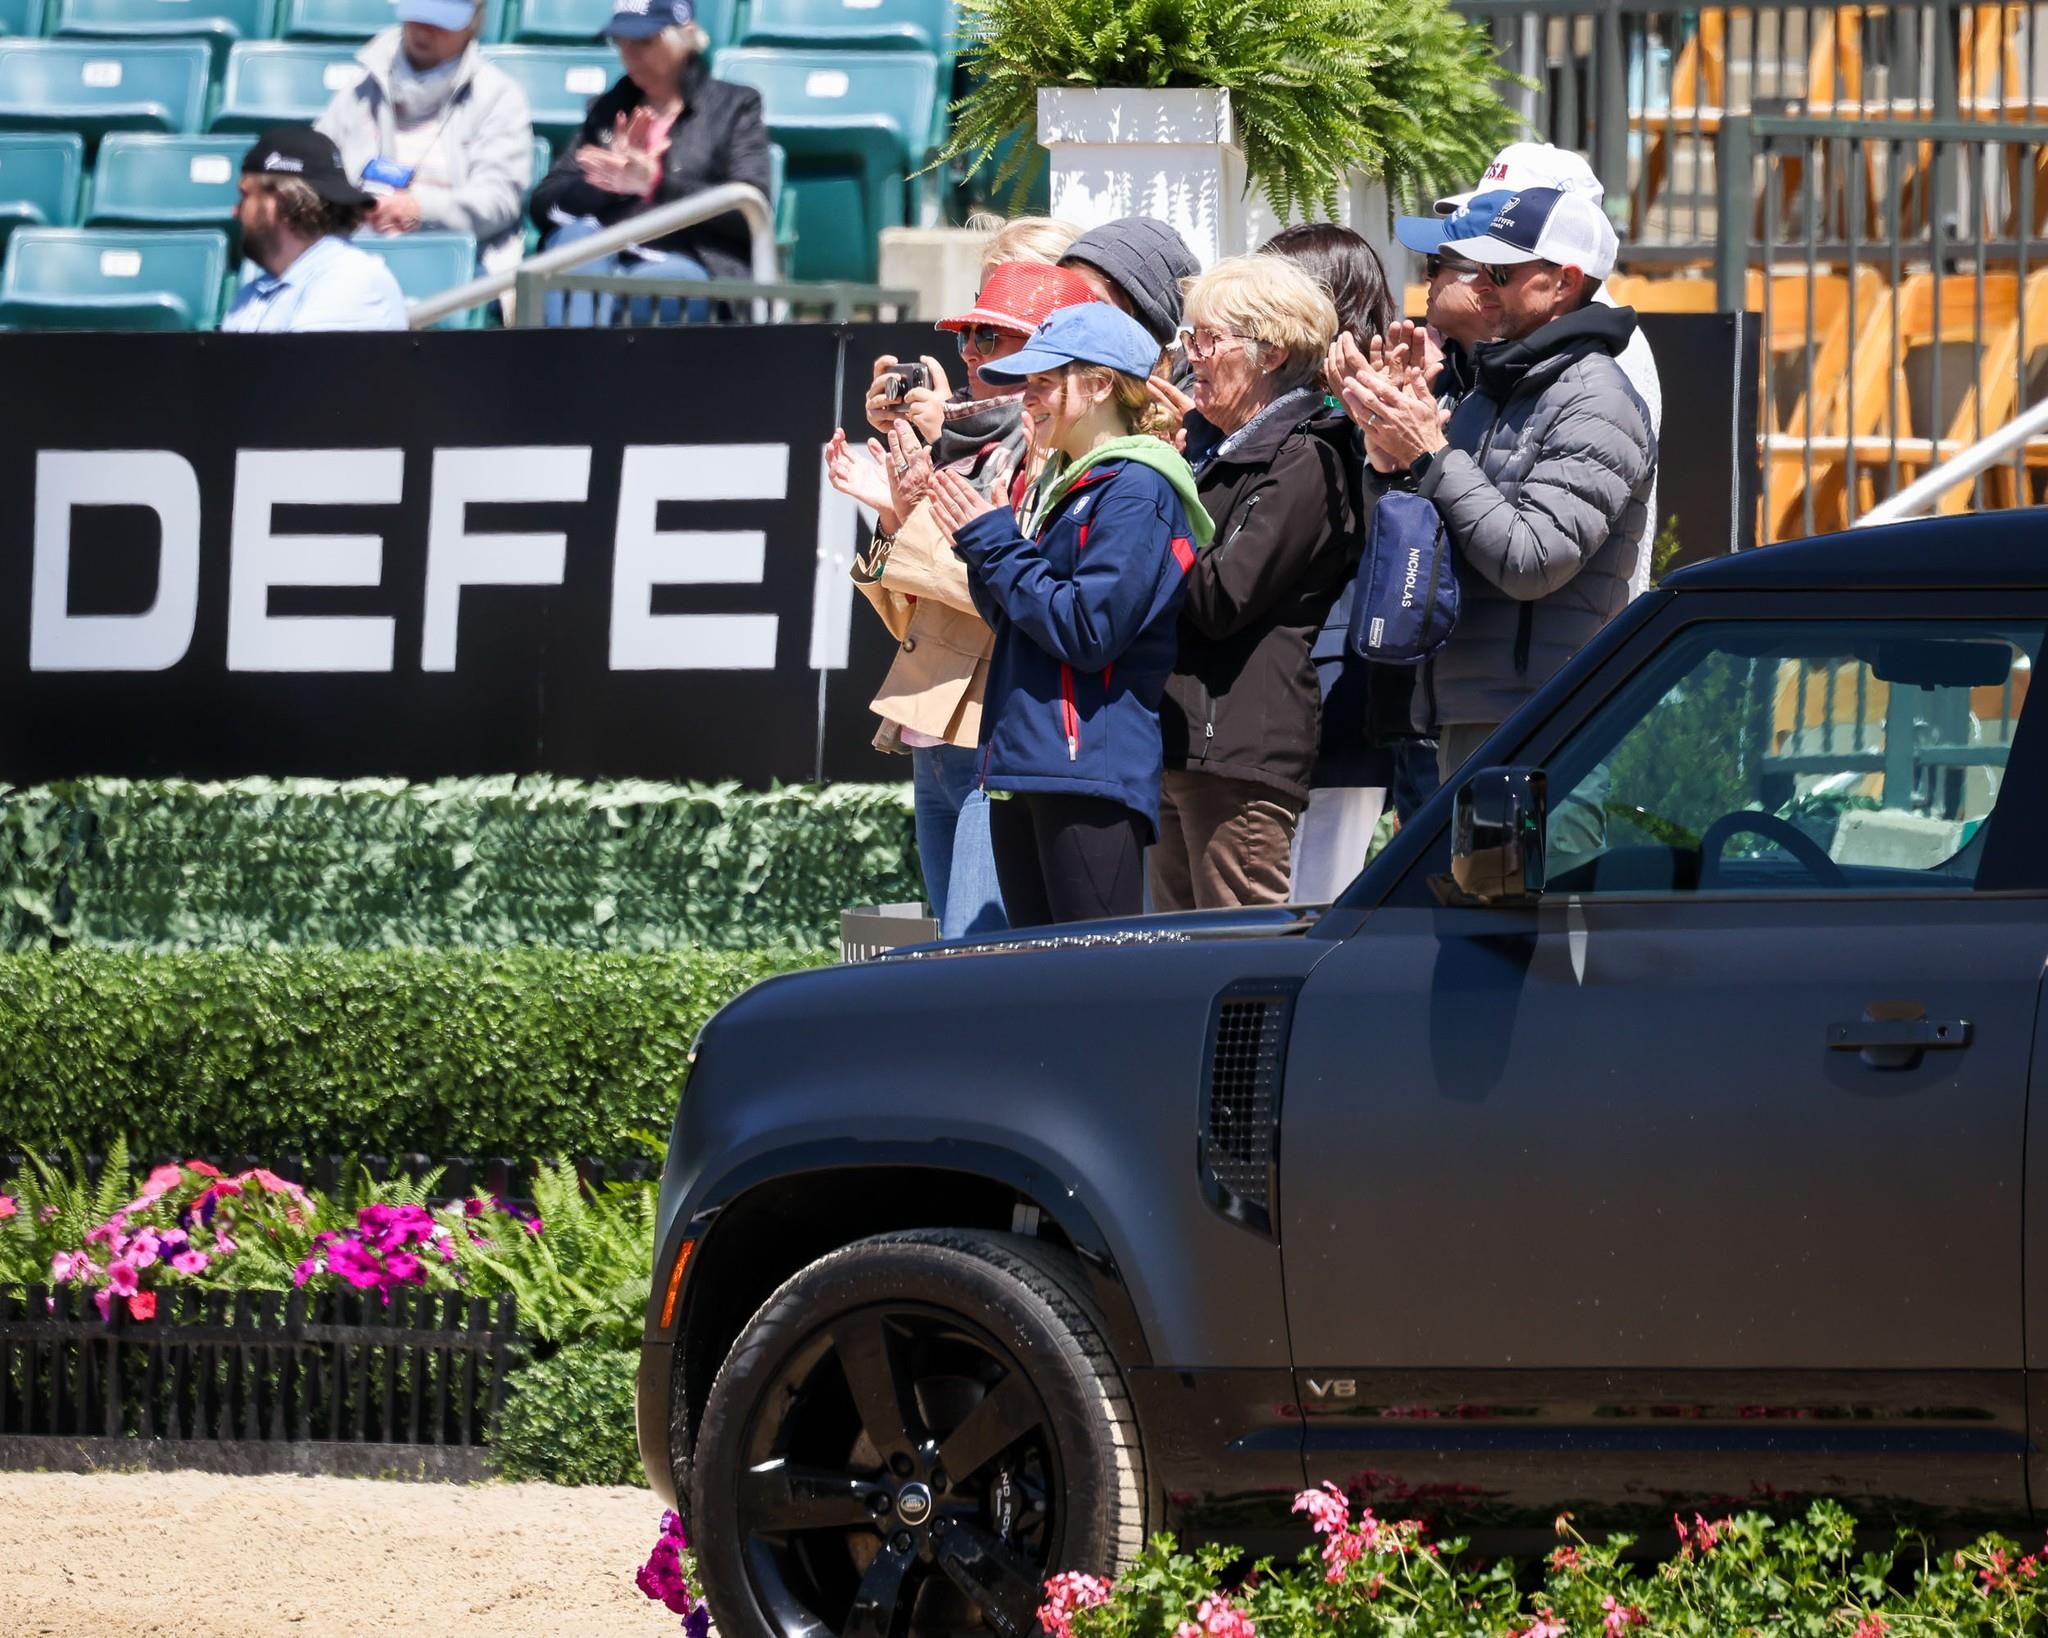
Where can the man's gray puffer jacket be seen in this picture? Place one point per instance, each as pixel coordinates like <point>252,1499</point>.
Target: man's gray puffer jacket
<point>1543,490</point>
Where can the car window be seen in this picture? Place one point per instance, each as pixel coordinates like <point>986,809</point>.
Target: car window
<point>1752,756</point>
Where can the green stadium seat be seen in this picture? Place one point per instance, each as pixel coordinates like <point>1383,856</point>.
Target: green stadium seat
<point>220,23</point>
<point>782,203</point>
<point>425,264</point>
<point>112,279</point>
<point>359,19</point>
<point>23,19</point>
<point>142,180</point>
<point>543,158</point>
<point>865,25</point>
<point>561,22</point>
<point>96,86</point>
<point>560,83</point>
<point>39,179</point>
<point>855,125</point>
<point>282,82</point>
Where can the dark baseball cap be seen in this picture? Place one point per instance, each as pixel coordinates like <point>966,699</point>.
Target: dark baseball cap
<point>302,152</point>
<point>643,19</point>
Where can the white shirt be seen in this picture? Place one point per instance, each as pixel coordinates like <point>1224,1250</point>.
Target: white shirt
<point>1640,367</point>
<point>332,286</point>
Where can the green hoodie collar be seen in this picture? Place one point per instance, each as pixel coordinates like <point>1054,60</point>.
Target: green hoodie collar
<point>1145,450</point>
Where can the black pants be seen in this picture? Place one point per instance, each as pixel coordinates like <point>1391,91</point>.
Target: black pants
<point>1067,858</point>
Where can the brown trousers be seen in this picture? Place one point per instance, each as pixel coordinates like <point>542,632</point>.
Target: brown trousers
<point>1222,843</point>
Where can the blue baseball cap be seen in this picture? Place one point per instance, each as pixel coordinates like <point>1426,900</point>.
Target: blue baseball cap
<point>1546,225</point>
<point>1093,332</point>
<point>643,19</point>
<point>1426,235</point>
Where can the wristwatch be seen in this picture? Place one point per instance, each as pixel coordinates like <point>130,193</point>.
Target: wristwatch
<point>1418,469</point>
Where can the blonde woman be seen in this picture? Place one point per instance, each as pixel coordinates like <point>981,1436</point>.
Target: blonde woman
<point>1277,468</point>
<point>1081,587</point>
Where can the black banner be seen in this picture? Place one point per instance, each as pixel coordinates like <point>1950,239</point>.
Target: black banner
<point>585,553</point>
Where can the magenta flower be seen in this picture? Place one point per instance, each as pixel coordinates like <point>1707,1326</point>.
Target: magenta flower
<point>103,1300</point>
<point>223,1246</point>
<point>190,1262</point>
<point>121,1278</point>
<point>8,1207</point>
<point>71,1265</point>
<point>1067,1594</point>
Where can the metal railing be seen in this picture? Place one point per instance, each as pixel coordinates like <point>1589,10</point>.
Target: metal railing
<point>1902,282</point>
<point>1986,453</point>
<point>633,300</point>
<point>1646,89</point>
<point>536,271</point>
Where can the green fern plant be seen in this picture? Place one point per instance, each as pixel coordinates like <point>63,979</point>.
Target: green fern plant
<point>1403,90</point>
<point>583,1276</point>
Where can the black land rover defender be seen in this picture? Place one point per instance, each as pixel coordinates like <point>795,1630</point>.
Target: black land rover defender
<point>1645,1128</point>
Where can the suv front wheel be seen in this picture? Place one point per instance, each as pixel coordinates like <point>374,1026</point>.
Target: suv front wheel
<point>908,1438</point>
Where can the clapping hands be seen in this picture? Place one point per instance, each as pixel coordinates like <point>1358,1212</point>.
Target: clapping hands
<point>631,165</point>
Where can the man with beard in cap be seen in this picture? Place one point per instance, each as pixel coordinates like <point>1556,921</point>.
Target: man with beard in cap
<point>296,212</point>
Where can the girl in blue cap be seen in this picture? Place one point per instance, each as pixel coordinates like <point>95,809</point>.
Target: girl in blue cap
<point>1082,585</point>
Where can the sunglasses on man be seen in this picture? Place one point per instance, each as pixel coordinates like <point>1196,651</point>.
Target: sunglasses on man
<point>1467,273</point>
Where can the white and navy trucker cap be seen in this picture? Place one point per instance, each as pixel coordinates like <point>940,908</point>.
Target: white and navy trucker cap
<point>1543,225</point>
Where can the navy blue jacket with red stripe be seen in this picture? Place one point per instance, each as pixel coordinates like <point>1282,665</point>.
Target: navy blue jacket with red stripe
<point>1086,618</point>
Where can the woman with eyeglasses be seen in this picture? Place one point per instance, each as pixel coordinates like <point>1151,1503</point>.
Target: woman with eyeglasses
<point>930,703</point>
<point>1279,471</point>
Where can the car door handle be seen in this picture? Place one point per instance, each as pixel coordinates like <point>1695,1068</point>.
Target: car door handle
<point>1912,1034</point>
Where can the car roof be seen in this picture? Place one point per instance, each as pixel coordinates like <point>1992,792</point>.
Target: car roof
<point>2007,549</point>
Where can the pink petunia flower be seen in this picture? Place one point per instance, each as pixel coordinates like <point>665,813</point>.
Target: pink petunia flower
<point>8,1207</point>
<point>121,1278</point>
<point>103,1300</point>
<point>190,1262</point>
<point>224,1246</point>
<point>161,1181</point>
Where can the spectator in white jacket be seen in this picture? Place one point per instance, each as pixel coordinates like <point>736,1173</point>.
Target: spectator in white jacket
<point>442,138</point>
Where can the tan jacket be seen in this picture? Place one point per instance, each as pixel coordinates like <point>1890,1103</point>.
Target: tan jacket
<point>942,645</point>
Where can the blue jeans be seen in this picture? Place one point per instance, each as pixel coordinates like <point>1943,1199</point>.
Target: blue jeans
<point>953,840</point>
<point>586,309</point>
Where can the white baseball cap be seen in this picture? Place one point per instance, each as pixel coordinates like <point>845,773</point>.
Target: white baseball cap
<point>1523,165</point>
<point>1544,225</point>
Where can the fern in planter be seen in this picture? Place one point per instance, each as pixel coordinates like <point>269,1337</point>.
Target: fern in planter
<point>1403,90</point>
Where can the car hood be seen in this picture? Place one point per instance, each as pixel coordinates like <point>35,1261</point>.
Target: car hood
<point>1181,927</point>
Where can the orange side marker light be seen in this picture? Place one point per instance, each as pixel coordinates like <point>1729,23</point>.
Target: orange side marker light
<point>675,1284</point>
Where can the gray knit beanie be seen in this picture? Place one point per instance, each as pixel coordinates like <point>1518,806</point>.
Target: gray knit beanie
<point>1148,260</point>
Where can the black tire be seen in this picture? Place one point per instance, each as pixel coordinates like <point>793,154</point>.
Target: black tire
<point>819,1491</point>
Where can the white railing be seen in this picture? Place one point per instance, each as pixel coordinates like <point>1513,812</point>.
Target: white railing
<point>1984,454</point>
<point>657,223</point>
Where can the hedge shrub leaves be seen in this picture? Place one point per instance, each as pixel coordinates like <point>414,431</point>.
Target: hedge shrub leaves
<point>523,1052</point>
<point>488,862</point>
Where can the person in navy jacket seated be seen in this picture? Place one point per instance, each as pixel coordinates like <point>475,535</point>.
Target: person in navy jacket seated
<point>1082,584</point>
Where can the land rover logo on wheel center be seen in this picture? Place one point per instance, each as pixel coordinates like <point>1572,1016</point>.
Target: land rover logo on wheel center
<point>913,1504</point>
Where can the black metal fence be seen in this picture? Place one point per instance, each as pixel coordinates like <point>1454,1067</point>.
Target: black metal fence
<point>1647,89</point>
<point>256,1381</point>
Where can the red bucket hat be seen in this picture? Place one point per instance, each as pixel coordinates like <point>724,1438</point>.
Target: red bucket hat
<point>1020,296</point>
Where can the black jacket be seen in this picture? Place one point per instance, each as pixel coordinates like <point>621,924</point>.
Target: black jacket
<point>719,137</point>
<point>1243,701</point>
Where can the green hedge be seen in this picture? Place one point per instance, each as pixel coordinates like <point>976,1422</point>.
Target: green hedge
<point>528,1052</point>
<point>570,1419</point>
<point>374,864</point>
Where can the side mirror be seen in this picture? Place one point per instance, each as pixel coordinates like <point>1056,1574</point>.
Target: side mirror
<point>1501,818</point>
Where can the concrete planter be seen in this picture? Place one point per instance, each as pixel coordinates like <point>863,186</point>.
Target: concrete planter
<point>1171,155</point>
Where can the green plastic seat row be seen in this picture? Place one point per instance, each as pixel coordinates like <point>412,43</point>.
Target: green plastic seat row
<point>123,279</point>
<point>221,23</point>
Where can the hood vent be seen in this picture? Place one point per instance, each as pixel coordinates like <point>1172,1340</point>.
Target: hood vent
<point>1242,1073</point>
